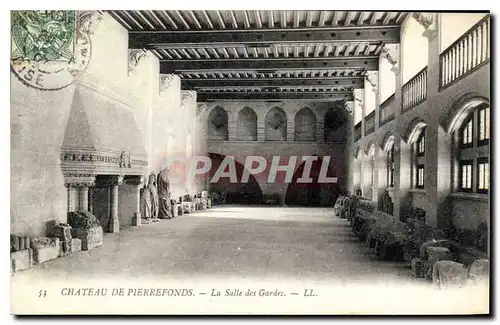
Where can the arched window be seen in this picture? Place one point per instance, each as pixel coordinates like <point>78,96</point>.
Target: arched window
<point>356,169</point>
<point>217,124</point>
<point>473,151</point>
<point>246,125</point>
<point>305,125</point>
<point>390,166</point>
<point>390,160</point>
<point>276,125</point>
<point>371,164</point>
<point>418,150</point>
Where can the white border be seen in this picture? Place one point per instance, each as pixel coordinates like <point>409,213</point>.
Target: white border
<point>213,4</point>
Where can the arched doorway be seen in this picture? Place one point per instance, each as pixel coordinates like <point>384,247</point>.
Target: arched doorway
<point>236,193</point>
<point>312,193</point>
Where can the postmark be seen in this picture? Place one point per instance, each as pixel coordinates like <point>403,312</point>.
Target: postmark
<point>49,48</point>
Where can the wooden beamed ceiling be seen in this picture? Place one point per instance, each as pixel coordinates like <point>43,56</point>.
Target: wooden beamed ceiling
<point>270,55</point>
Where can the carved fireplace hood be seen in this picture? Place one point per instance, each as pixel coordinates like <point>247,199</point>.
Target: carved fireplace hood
<point>101,138</point>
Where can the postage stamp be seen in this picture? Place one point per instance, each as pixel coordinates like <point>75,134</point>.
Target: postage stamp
<point>49,49</point>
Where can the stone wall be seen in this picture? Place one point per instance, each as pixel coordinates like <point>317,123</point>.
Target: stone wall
<point>436,112</point>
<point>39,121</point>
<point>468,212</point>
<point>286,128</point>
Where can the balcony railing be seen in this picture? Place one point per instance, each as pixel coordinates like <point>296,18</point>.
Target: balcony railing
<point>466,54</point>
<point>414,91</point>
<point>370,123</point>
<point>387,109</point>
<point>357,131</point>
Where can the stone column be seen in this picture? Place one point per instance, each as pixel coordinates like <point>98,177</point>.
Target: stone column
<point>261,130</point>
<point>138,182</point>
<point>114,223</point>
<point>91,200</point>
<point>81,182</point>
<point>349,159</point>
<point>402,178</point>
<point>438,143</point>
<point>83,199</point>
<point>290,128</point>
<point>320,129</point>
<point>380,173</point>
<point>361,171</point>
<point>232,118</point>
<point>69,197</point>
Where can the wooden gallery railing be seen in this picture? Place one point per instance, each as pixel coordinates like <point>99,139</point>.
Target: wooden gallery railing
<point>387,109</point>
<point>357,131</point>
<point>466,54</point>
<point>370,123</point>
<point>414,91</point>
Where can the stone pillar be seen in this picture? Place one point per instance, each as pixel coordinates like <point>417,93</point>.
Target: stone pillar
<point>232,118</point>
<point>114,223</point>
<point>320,128</point>
<point>437,180</point>
<point>368,169</point>
<point>290,128</point>
<point>380,174</point>
<point>361,171</point>
<point>138,182</point>
<point>81,182</point>
<point>261,130</point>
<point>349,159</point>
<point>438,143</point>
<point>69,197</point>
<point>402,177</point>
<point>83,199</point>
<point>91,200</point>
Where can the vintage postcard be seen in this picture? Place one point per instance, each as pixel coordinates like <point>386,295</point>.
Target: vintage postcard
<point>250,162</point>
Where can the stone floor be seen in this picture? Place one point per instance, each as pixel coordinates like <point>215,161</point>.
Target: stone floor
<point>285,247</point>
<point>232,241</point>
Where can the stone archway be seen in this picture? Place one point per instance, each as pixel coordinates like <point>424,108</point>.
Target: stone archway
<point>414,129</point>
<point>461,108</point>
<point>246,125</point>
<point>305,125</point>
<point>218,124</point>
<point>276,125</point>
<point>238,192</point>
<point>334,129</point>
<point>312,193</point>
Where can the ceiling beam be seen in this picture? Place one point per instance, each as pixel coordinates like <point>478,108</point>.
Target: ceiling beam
<point>188,38</point>
<point>258,82</point>
<point>360,62</point>
<point>313,96</point>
